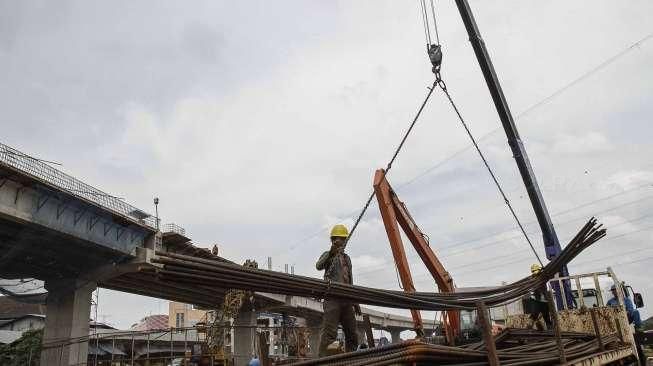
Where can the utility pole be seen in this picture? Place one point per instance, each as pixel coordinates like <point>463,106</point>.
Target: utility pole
<point>156,209</point>
<point>551,243</point>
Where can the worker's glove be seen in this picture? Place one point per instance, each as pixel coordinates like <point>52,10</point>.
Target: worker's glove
<point>357,309</point>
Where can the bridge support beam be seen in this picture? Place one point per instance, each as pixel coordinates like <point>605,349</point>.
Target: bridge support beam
<point>67,317</point>
<point>244,336</point>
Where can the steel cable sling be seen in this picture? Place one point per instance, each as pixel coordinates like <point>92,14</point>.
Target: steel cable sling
<point>434,51</point>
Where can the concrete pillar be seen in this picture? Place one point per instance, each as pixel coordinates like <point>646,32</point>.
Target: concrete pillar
<point>67,316</point>
<point>394,334</point>
<point>244,337</point>
<point>313,325</point>
<point>360,333</point>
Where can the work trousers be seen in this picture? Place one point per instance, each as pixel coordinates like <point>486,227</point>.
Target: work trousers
<point>338,312</point>
<point>635,318</point>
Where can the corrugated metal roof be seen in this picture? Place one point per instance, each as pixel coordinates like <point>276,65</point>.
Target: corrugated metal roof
<point>152,322</point>
<point>112,350</point>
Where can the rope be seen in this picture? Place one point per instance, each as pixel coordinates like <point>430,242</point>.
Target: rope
<point>441,84</point>
<point>394,157</point>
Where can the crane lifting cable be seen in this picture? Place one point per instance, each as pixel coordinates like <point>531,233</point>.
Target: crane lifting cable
<point>444,89</point>
<point>394,157</point>
<point>435,56</point>
<point>434,50</point>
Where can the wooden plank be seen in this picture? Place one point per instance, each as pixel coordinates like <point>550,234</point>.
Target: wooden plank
<point>597,331</point>
<point>556,326</point>
<point>486,327</point>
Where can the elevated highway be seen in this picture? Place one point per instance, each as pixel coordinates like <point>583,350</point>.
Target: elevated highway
<point>75,237</point>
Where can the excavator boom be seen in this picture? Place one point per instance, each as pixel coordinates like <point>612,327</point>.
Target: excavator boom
<point>395,214</point>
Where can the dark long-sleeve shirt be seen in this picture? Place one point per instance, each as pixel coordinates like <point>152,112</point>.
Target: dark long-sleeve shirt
<point>337,268</point>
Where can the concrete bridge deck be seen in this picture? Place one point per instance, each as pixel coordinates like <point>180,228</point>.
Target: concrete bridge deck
<point>74,237</point>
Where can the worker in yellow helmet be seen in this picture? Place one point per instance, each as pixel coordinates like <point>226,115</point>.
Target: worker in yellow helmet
<point>337,268</point>
<point>536,304</point>
<point>536,269</point>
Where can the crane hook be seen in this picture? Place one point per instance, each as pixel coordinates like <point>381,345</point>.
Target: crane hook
<point>435,55</point>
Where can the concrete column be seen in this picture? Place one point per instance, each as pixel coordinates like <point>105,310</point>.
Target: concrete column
<point>67,316</point>
<point>360,333</point>
<point>314,335</point>
<point>244,337</point>
<point>394,334</point>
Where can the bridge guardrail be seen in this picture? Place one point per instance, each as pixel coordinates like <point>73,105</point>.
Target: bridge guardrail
<point>46,173</point>
<point>173,228</point>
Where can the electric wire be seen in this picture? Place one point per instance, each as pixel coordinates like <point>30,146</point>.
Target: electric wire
<point>485,245</point>
<point>476,271</point>
<point>520,115</point>
<point>447,245</point>
<point>537,104</point>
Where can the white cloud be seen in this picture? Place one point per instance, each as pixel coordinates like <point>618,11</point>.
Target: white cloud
<point>591,142</point>
<point>368,261</point>
<point>259,128</point>
<point>625,180</point>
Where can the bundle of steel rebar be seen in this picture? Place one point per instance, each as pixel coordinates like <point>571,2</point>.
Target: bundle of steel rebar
<point>188,270</point>
<point>514,347</point>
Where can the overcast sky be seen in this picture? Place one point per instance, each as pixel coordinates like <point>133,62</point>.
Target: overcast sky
<point>259,125</point>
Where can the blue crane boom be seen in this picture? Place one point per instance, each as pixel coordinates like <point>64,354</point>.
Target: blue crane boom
<point>551,243</point>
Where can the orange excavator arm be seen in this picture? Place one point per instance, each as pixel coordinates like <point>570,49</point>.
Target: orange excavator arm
<point>389,215</point>
<point>394,214</point>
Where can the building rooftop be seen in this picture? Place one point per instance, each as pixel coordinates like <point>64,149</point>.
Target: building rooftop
<point>152,322</point>
<point>10,308</point>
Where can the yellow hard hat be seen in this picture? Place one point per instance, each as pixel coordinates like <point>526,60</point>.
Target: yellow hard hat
<point>536,268</point>
<point>340,231</point>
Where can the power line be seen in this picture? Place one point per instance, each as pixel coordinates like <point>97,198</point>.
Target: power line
<point>559,213</point>
<point>523,113</point>
<point>629,221</point>
<point>506,240</point>
<point>632,262</point>
<point>443,248</point>
<point>520,185</point>
<point>517,261</point>
<point>539,103</point>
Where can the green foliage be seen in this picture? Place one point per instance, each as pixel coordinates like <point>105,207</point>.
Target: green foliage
<point>26,350</point>
<point>648,324</point>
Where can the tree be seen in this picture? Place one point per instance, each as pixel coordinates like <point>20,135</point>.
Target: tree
<point>26,350</point>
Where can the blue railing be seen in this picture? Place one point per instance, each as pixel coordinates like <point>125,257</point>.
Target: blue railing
<point>41,171</point>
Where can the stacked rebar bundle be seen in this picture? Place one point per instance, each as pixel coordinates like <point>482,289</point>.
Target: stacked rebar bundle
<point>514,347</point>
<point>188,270</point>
